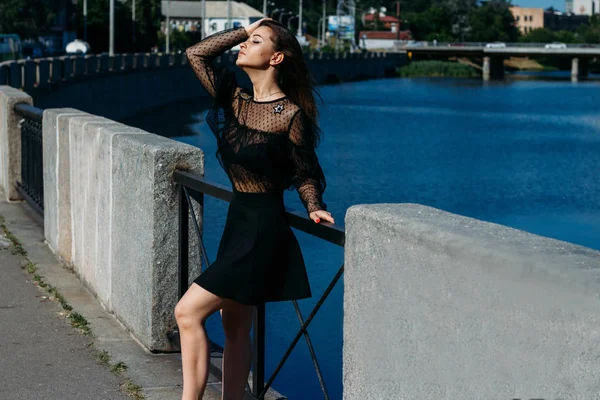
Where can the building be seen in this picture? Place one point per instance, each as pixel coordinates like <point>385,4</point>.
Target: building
<point>372,40</point>
<point>187,15</point>
<point>528,19</point>
<point>558,21</point>
<point>386,20</point>
<point>584,7</point>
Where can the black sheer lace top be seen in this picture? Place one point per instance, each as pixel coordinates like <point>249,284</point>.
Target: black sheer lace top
<point>263,146</point>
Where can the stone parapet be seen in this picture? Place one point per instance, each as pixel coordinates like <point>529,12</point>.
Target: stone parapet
<point>10,140</point>
<point>440,306</point>
<point>111,213</point>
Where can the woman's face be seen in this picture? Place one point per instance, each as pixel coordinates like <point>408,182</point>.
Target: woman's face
<point>258,51</point>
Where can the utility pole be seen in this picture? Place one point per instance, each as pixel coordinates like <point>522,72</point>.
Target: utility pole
<point>168,26</point>
<point>111,34</point>
<point>229,26</point>
<point>398,17</point>
<point>85,20</point>
<point>323,23</point>
<point>203,8</point>
<point>265,8</point>
<point>299,33</point>
<point>133,25</point>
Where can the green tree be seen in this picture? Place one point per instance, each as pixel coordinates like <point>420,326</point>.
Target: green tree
<point>27,18</point>
<point>493,21</point>
<point>540,35</point>
<point>434,23</point>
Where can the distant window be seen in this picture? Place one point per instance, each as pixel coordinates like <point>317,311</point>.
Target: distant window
<point>518,17</point>
<point>237,24</point>
<point>530,18</point>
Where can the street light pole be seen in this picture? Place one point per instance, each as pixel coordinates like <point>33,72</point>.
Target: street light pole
<point>132,25</point>
<point>168,26</point>
<point>299,20</point>
<point>111,34</point>
<point>203,31</point>
<point>229,14</point>
<point>323,23</point>
<point>85,20</point>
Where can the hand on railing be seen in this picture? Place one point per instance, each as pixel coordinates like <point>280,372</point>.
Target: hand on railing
<point>321,215</point>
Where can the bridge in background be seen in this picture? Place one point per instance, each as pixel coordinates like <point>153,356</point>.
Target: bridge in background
<point>494,55</point>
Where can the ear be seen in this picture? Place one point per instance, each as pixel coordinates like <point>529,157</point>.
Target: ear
<point>277,58</point>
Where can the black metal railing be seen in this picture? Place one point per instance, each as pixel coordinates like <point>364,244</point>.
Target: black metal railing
<point>31,186</point>
<point>194,186</point>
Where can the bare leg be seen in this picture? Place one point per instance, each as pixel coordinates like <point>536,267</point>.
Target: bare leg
<point>237,355</point>
<point>191,313</point>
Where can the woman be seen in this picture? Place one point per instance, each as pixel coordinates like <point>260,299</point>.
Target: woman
<point>266,140</point>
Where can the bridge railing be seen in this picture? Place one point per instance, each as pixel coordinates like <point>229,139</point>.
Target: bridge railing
<point>483,44</point>
<point>194,186</point>
<point>31,74</point>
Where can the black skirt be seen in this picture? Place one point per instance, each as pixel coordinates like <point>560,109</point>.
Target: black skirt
<point>259,259</point>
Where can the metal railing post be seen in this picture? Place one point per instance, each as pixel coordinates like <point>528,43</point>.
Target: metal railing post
<point>184,246</point>
<point>258,359</point>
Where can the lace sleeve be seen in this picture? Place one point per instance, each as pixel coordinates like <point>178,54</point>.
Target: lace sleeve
<point>202,53</point>
<point>307,175</point>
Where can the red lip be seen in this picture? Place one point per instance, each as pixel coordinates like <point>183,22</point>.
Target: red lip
<point>241,52</point>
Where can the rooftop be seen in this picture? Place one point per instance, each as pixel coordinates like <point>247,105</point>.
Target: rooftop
<point>214,9</point>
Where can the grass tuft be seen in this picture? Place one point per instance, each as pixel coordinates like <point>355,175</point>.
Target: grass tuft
<point>78,321</point>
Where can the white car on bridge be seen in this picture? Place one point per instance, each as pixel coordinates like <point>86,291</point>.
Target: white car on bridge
<point>495,45</point>
<point>555,45</point>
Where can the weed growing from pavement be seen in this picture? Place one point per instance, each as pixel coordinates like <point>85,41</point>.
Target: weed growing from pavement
<point>18,247</point>
<point>77,320</point>
<point>118,367</point>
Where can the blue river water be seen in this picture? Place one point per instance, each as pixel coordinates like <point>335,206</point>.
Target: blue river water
<point>522,153</point>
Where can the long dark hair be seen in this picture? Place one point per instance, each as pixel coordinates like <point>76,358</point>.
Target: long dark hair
<point>293,76</point>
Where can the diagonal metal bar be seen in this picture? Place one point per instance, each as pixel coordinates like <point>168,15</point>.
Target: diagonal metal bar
<point>196,226</point>
<point>335,279</point>
<point>312,352</point>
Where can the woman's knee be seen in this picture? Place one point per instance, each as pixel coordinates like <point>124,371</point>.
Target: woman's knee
<point>195,306</point>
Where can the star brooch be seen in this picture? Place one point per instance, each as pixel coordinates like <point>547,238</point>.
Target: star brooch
<point>278,109</point>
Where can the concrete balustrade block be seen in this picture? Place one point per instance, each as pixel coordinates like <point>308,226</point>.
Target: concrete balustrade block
<point>176,59</point>
<point>16,74</point>
<point>57,224</point>
<point>140,61</point>
<point>79,66</point>
<point>127,62</point>
<point>91,64</point>
<point>116,62</point>
<point>440,306</point>
<point>144,231</point>
<point>151,61</point>
<point>4,71</point>
<point>164,60</point>
<point>103,63</point>
<point>43,73</point>
<point>30,74</point>
<point>57,70</point>
<point>10,140</point>
<point>68,67</point>
<point>112,215</point>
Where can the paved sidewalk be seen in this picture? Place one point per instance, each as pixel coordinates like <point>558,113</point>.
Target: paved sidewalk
<point>43,358</point>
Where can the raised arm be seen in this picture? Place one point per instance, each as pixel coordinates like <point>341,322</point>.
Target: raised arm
<point>202,53</point>
<point>307,174</point>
